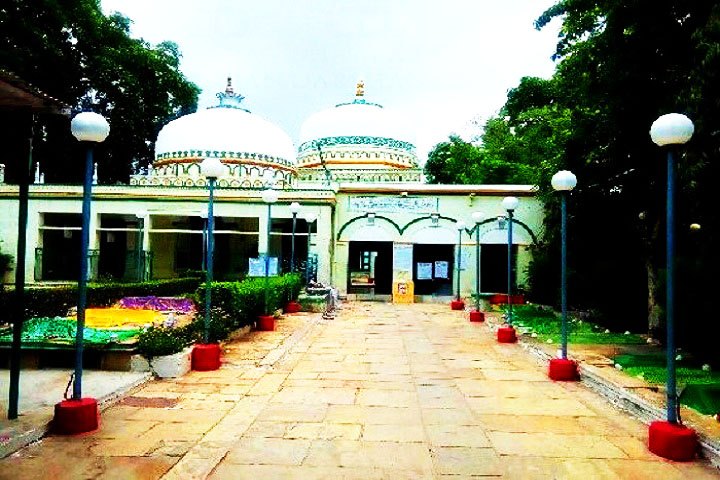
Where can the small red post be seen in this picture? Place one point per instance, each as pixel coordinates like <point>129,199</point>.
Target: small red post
<point>76,416</point>
<point>563,369</point>
<point>205,357</point>
<point>672,441</point>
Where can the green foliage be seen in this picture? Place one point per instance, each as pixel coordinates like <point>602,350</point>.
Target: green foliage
<point>240,303</point>
<point>159,341</point>
<point>454,161</point>
<point>459,162</point>
<point>73,52</point>
<point>56,301</point>
<point>547,324</point>
<point>699,389</point>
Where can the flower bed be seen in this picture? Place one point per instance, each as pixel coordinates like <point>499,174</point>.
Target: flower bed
<point>39,332</point>
<point>160,304</point>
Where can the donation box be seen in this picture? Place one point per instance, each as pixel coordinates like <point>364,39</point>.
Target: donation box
<point>404,292</point>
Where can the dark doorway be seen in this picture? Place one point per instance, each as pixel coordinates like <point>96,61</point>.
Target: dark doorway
<point>61,255</point>
<point>440,269</point>
<point>370,267</point>
<point>494,268</point>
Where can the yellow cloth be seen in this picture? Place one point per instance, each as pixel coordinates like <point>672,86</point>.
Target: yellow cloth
<point>120,317</point>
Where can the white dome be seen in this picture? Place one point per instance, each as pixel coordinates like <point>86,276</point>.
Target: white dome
<point>230,130</point>
<point>252,151</point>
<point>357,135</point>
<point>356,119</point>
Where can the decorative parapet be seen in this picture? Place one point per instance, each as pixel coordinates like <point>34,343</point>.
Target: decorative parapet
<point>357,140</point>
<point>186,173</point>
<point>409,175</point>
<point>198,155</point>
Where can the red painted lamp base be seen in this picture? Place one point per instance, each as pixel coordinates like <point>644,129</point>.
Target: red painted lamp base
<point>477,316</point>
<point>266,323</point>
<point>457,305</point>
<point>205,357</point>
<point>73,417</point>
<point>563,369</point>
<point>293,307</point>
<point>506,335</point>
<point>672,441</point>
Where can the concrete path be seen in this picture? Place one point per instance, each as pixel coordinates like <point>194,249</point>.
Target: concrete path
<point>382,391</point>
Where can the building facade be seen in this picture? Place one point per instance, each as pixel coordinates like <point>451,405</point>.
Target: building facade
<point>373,222</point>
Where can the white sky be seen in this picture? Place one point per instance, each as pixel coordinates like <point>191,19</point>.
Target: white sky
<point>440,63</point>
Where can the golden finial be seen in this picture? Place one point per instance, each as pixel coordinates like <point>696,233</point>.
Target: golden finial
<point>360,89</point>
<point>229,88</point>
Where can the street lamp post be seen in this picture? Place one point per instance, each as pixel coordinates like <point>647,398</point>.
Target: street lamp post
<point>309,219</point>
<point>294,209</point>
<point>206,356</point>
<point>507,333</point>
<point>458,304</point>
<point>670,439</point>
<point>78,414</point>
<point>293,306</point>
<point>139,265</point>
<point>563,368</point>
<point>477,315</point>
<point>269,196</point>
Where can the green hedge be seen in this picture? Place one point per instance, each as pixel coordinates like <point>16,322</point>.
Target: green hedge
<point>56,301</point>
<point>240,303</point>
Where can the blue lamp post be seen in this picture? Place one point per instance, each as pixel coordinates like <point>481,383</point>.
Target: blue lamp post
<point>269,196</point>
<point>562,368</point>
<point>458,304</point>
<point>477,315</point>
<point>79,415</point>
<point>670,439</point>
<point>294,209</point>
<point>206,355</point>
<point>309,219</point>
<point>211,168</point>
<point>507,333</point>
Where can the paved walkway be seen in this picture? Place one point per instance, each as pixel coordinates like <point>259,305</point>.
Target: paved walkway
<point>382,391</point>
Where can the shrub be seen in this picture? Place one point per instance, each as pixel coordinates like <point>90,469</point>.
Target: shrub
<point>56,301</point>
<point>158,341</point>
<point>240,303</point>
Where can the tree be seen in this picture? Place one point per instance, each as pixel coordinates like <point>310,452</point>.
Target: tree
<point>73,52</point>
<point>453,162</point>
<point>622,63</point>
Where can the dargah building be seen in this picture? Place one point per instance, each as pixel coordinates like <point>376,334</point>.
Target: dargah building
<point>366,221</point>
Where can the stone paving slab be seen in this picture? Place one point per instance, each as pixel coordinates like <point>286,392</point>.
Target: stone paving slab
<point>380,392</point>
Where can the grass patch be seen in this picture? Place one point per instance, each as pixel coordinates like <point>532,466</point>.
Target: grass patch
<point>700,390</point>
<point>547,325</point>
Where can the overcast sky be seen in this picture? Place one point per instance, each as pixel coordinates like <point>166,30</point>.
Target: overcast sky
<point>440,63</point>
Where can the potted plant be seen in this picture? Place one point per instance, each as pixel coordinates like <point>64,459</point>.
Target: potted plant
<point>292,289</point>
<point>167,350</point>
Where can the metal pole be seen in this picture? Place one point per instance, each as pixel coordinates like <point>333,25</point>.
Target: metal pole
<point>563,271</point>
<point>477,266</point>
<point>292,244</point>
<point>82,284</point>
<point>209,259</point>
<point>140,276</point>
<point>204,245</point>
<point>267,258</point>
<point>459,262</point>
<point>509,266</point>
<point>23,198</point>
<point>307,263</point>
<point>670,306</point>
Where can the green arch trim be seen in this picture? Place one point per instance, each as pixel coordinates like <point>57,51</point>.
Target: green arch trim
<point>352,220</point>
<point>469,231</point>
